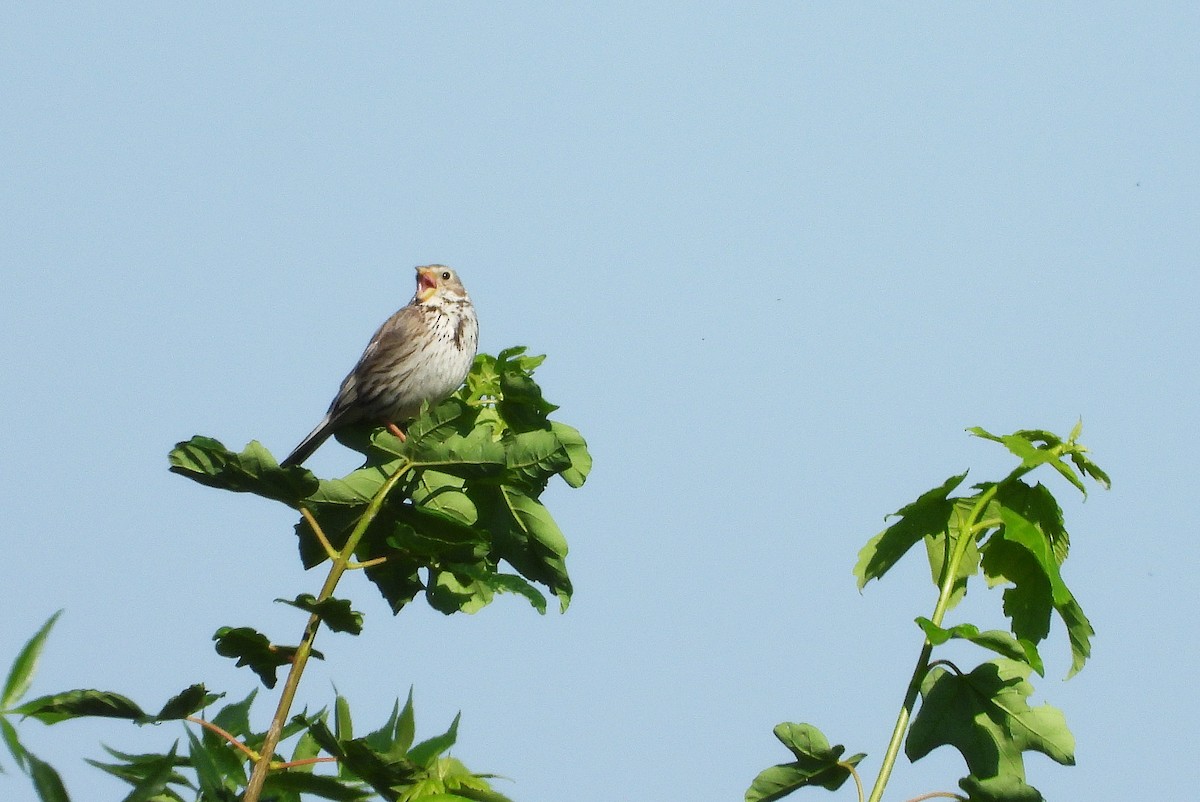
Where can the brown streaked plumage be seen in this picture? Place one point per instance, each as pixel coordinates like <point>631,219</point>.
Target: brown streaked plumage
<point>421,353</point>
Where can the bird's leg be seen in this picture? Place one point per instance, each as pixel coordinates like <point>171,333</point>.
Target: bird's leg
<point>396,430</point>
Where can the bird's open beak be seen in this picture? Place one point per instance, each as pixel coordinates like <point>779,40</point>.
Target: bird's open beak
<point>426,283</point>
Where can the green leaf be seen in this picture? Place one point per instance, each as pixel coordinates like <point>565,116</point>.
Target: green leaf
<point>234,718</point>
<point>1038,506</point>
<point>253,470</point>
<point>253,649</point>
<point>469,588</point>
<point>334,613</point>
<point>999,789</point>
<point>207,773</point>
<point>533,457</point>
<point>46,782</point>
<point>986,717</point>
<point>1020,531</point>
<point>294,781</point>
<point>424,753</point>
<point>534,520</point>
<point>155,781</point>
<point>134,769</point>
<point>79,703</point>
<point>817,764</point>
<point>475,455</point>
<point>928,515</point>
<point>20,676</point>
<point>343,726</point>
<point>996,640</point>
<point>940,547</point>
<point>13,743</point>
<point>442,493</point>
<point>406,729</point>
<point>186,703</point>
<point>577,453</point>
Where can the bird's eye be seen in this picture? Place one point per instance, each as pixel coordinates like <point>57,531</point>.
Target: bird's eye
<point>445,275</point>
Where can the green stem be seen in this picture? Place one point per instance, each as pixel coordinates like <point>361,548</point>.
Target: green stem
<point>304,650</point>
<point>965,535</point>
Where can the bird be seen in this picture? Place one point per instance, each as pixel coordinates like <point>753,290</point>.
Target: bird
<point>421,353</point>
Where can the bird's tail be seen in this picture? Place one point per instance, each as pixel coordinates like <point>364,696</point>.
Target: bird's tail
<point>311,443</point>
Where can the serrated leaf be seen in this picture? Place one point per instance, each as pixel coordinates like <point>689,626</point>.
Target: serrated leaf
<point>986,717</point>
<point>424,753</point>
<point>253,470</point>
<point>406,729</point>
<point>20,675</point>
<point>80,703</point>
<point>996,640</point>
<point>234,718</point>
<point>335,614</point>
<point>312,785</point>
<point>207,775</point>
<point>155,781</point>
<point>188,701</point>
<point>928,515</point>
<point>253,649</point>
<point>343,727</point>
<point>1019,530</point>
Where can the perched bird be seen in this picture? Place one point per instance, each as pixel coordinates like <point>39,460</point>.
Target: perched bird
<point>421,353</point>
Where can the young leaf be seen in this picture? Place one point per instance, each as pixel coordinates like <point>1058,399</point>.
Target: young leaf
<point>817,764</point>
<point>334,613</point>
<point>996,640</point>
<point>406,729</point>
<point>25,666</point>
<point>928,515</point>
<point>343,726</point>
<point>424,753</point>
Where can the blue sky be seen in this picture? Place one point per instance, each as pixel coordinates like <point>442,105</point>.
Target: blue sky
<point>779,256</point>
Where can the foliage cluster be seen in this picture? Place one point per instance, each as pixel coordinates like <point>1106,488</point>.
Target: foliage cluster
<point>453,512</point>
<point>1012,533</point>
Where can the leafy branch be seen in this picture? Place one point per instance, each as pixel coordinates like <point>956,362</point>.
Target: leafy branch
<point>1013,534</point>
<point>452,511</point>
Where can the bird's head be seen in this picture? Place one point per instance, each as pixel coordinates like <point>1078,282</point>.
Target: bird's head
<point>438,283</point>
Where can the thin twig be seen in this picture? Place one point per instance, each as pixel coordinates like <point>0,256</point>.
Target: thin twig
<point>228,736</point>
<point>330,551</point>
<point>275,731</point>
<point>857,780</point>
<point>366,564</point>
